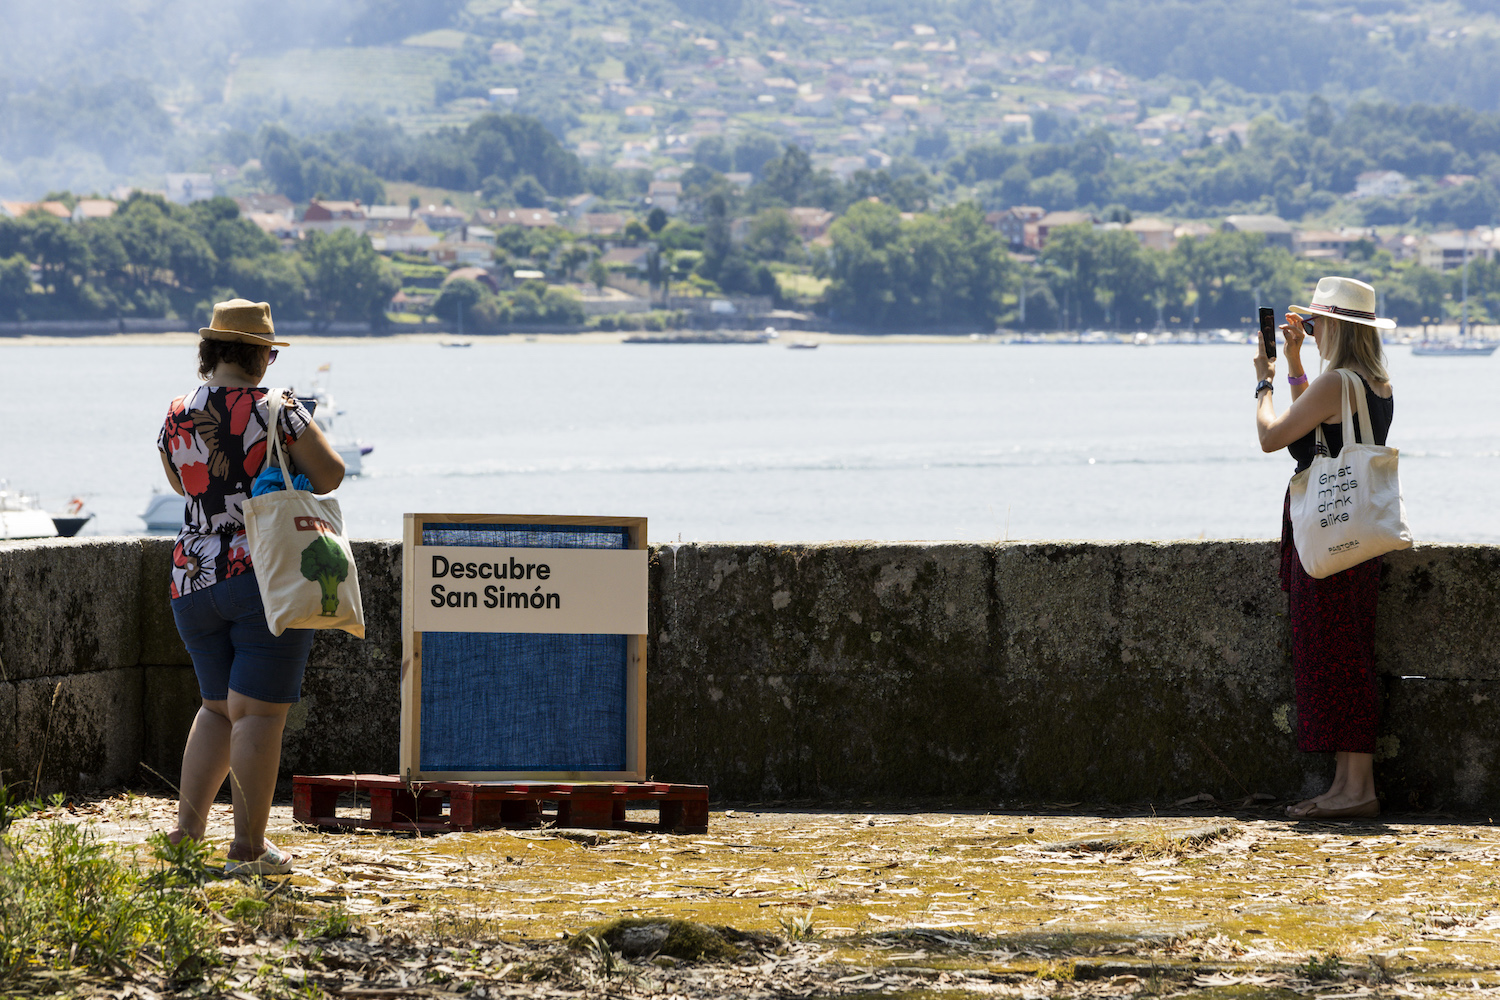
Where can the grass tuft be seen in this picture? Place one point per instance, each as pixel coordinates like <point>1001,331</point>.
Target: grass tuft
<point>67,901</point>
<point>798,926</point>
<point>1325,967</point>
<point>679,939</point>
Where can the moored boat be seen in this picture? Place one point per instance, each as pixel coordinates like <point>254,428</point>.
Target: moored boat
<point>164,511</point>
<point>21,516</point>
<point>1453,348</point>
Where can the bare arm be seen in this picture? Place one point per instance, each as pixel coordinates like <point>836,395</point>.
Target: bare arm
<point>171,474</point>
<point>1319,403</point>
<point>315,458</point>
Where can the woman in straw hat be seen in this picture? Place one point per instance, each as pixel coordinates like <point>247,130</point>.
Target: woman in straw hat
<point>1333,619</point>
<point>213,446</point>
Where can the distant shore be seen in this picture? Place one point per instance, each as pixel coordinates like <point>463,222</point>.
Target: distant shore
<point>187,337</point>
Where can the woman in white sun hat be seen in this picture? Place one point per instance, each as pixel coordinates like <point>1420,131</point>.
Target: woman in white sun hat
<point>1333,619</point>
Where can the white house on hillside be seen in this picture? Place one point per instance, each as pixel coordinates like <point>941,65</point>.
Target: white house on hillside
<point>1380,184</point>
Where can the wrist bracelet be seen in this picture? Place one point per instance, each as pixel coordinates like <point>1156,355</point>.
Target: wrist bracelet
<point>1296,380</point>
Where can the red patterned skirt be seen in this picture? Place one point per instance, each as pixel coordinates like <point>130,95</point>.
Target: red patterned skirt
<point>1333,650</point>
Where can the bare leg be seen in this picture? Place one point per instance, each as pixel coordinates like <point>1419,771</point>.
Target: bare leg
<point>205,765</point>
<point>255,756</point>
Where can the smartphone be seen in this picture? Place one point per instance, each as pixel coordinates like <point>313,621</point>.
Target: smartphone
<point>1268,331</point>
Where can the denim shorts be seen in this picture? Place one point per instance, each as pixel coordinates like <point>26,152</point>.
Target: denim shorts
<point>224,629</point>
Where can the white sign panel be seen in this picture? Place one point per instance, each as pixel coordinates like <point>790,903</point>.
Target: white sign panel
<point>462,588</point>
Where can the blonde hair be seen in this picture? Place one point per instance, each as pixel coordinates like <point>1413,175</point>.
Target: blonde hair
<point>1348,345</point>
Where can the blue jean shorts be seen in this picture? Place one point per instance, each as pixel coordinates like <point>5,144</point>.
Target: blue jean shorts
<point>224,629</point>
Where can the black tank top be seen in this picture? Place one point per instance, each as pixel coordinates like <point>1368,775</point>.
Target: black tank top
<point>1305,448</point>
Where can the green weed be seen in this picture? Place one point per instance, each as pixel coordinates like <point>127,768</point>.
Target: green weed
<point>798,926</point>
<point>1057,972</point>
<point>67,900</point>
<point>604,958</point>
<point>1326,967</point>
<point>334,923</point>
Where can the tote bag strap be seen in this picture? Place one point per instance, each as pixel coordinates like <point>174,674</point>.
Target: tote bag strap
<point>276,451</point>
<point>1353,383</point>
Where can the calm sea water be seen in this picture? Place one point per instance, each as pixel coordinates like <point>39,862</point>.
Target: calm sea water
<point>736,443</point>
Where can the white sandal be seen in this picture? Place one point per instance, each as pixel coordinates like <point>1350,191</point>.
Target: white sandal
<point>274,861</point>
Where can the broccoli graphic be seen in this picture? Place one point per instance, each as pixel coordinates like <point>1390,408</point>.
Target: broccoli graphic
<point>325,564</point>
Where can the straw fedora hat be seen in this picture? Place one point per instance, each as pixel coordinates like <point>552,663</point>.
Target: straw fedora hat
<point>1345,298</point>
<point>242,320</point>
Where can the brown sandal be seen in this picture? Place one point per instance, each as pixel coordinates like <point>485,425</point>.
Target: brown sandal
<point>1365,810</point>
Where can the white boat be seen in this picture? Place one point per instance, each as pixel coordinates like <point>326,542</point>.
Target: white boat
<point>21,516</point>
<point>1453,348</point>
<point>164,511</point>
<point>351,449</point>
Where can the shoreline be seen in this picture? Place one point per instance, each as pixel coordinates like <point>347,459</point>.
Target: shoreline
<point>171,338</point>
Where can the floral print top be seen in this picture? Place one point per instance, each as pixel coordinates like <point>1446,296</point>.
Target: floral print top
<point>215,440</point>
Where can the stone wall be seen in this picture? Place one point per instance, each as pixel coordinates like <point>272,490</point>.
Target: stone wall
<point>1019,671</point>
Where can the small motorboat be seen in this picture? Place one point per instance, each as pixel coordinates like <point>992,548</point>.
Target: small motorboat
<point>802,345</point>
<point>71,520</point>
<point>164,511</point>
<point>21,516</point>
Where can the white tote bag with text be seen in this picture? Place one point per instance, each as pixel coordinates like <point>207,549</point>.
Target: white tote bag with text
<point>1348,509</point>
<point>302,559</point>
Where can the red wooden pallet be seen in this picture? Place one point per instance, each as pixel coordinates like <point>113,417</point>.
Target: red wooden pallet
<point>486,805</point>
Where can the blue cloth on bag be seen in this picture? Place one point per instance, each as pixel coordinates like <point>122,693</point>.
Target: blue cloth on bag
<point>270,481</point>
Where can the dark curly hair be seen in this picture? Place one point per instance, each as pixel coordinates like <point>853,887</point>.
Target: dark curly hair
<point>212,352</point>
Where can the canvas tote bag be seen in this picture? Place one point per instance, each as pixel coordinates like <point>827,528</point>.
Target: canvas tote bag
<point>302,559</point>
<point>1348,509</point>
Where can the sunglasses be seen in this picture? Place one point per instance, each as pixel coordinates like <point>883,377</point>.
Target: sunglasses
<point>274,352</point>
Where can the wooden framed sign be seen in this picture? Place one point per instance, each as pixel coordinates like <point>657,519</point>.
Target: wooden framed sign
<point>523,653</point>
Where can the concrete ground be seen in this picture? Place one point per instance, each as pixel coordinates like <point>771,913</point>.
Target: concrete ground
<point>1209,901</point>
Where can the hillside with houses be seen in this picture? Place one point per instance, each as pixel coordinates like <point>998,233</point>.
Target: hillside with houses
<point>545,162</point>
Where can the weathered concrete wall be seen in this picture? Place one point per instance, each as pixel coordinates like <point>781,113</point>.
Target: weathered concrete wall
<point>1048,671</point>
<point>1051,672</point>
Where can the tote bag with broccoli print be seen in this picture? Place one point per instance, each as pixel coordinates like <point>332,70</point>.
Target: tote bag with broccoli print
<point>301,557</point>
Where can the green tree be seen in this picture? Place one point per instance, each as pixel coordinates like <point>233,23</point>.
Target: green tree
<point>1106,277</point>
<point>347,279</point>
<point>1228,272</point>
<point>277,278</point>
<point>773,236</point>
<point>574,256</point>
<point>942,269</point>
<point>458,300</point>
<point>15,284</point>
<point>598,273</point>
